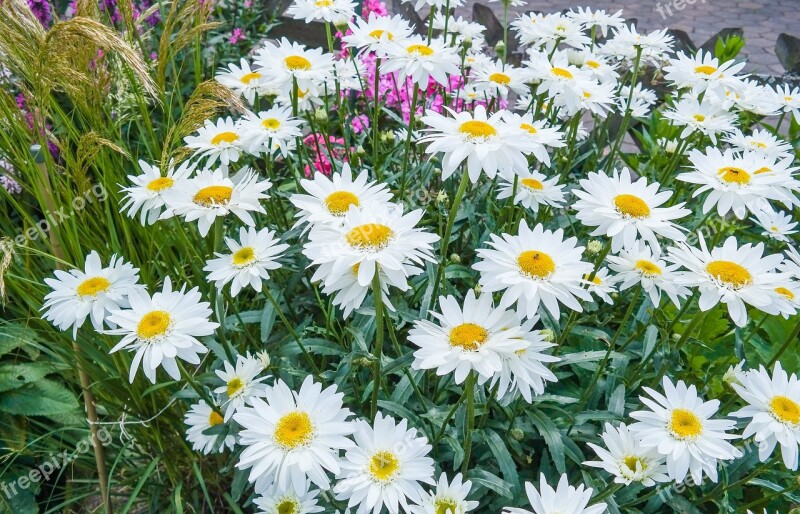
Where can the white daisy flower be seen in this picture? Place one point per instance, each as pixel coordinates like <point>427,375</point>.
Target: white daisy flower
<point>532,190</point>
<point>601,285</point>
<point>329,199</point>
<point>459,30</point>
<point>498,77</point>
<point>94,293</point>
<point>290,62</point>
<point>760,141</point>
<point>706,117</point>
<point>552,30</point>
<point>473,337</point>
<point>638,264</point>
<point>374,33</point>
<point>163,328</point>
<point>244,81</point>
<point>263,132</point>
<point>626,43</point>
<point>200,417</point>
<point>486,143</point>
<point>212,194</point>
<point>348,294</point>
<point>535,267</point>
<point>748,96</point>
<point>565,499</point>
<point>539,136</point>
<point>731,274</point>
<point>380,237</point>
<point>221,140</point>
<point>524,371</point>
<point>241,383</point>
<point>701,72</point>
<point>626,459</point>
<point>788,100</point>
<point>249,263</point>
<point>437,4</point>
<point>558,78</point>
<point>597,18</point>
<point>145,196</point>
<point>595,64</point>
<point>774,412</point>
<point>777,225</point>
<point>288,500</point>
<point>448,498</point>
<point>791,263</point>
<point>332,11</point>
<point>420,59</point>
<point>680,427</point>
<point>307,100</point>
<point>385,468</point>
<point>290,437</point>
<point>642,101</point>
<point>625,210</point>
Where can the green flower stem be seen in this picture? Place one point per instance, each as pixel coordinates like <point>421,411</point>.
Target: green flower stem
<point>451,217</point>
<point>792,338</point>
<point>375,117</point>
<point>200,390</point>
<point>291,330</point>
<point>378,351</point>
<point>469,392</point>
<point>404,171</point>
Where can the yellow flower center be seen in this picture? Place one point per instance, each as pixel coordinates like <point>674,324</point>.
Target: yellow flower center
<point>445,506</point>
<point>297,63</point>
<point>759,144</point>
<point>593,64</point>
<point>500,78</point>
<point>153,324</point>
<point>705,70</point>
<point>648,268</point>
<point>595,279</point>
<point>699,118</point>
<point>684,424</point>
<point>536,264</point>
<point>160,184</point>
<point>339,203</point>
<point>293,430</point>
<point>323,3</point>
<point>379,33</point>
<point>475,129</point>
<point>528,127</point>
<point>631,206</point>
<point>468,336</point>
<point>532,183</point>
<point>764,169</point>
<point>244,256</point>
<point>288,506</point>
<point>234,386</point>
<point>213,195</point>
<point>383,466</point>
<point>271,124</point>
<point>587,94</point>
<point>93,286</point>
<point>246,79</point>
<point>786,293</point>
<point>729,273</point>
<point>224,137</point>
<point>214,418</point>
<point>420,50</point>
<point>733,175</point>
<point>631,461</point>
<point>561,73</point>
<point>370,236</point>
<point>785,410</point>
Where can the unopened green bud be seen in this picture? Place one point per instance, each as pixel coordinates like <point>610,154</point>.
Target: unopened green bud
<point>500,48</point>
<point>455,258</point>
<point>321,115</point>
<point>594,247</point>
<point>478,289</point>
<point>517,434</point>
<point>548,335</point>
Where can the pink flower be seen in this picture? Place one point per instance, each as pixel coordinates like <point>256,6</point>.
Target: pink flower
<point>236,36</point>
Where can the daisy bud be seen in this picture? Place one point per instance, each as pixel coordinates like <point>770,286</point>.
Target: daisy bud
<point>363,362</point>
<point>517,434</point>
<point>455,259</point>
<point>387,136</point>
<point>263,358</point>
<point>441,197</point>
<point>477,289</point>
<point>321,115</point>
<point>548,335</point>
<point>670,146</point>
<point>594,247</point>
<point>500,48</point>
<point>360,150</point>
<point>466,42</point>
<point>733,375</point>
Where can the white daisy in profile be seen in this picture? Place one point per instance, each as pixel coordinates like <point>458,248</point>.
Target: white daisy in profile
<point>419,59</point>
<point>538,135</point>
<point>706,117</point>
<point>624,458</point>
<point>243,80</point>
<point>680,427</point>
<point>221,140</point>
<point>731,274</point>
<point>565,499</point>
<point>200,417</point>
<point>524,371</point>
<point>381,237</point>
<point>760,141</point>
<point>701,72</point>
<point>212,194</point>
<point>486,142</point>
<point>249,262</point>
<point>791,262</point>
<point>332,11</point>
<point>601,285</point>
<point>788,295</point>
<point>500,78</point>
<point>374,33</point>
<point>447,498</point>
<point>776,225</point>
<point>773,408</point>
<point>94,293</point>
<point>348,294</point>
<point>535,267</point>
<point>625,210</point>
<point>386,467</point>
<point>732,180</point>
<point>788,100</point>
<point>288,500</point>
<point>275,127</point>
<point>597,65</point>
<point>241,383</point>
<point>597,98</point>
<point>290,62</point>
<point>640,265</point>
<point>329,198</point>
<point>163,328</point>
<point>641,103</point>
<point>533,190</point>
<point>145,196</point>
<point>597,18</point>
<point>474,337</point>
<point>627,43</point>
<point>558,78</point>
<point>290,437</point>
<point>552,30</point>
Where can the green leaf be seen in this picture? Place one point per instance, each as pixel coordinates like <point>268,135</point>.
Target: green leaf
<point>42,398</point>
<point>13,376</point>
<point>490,481</point>
<point>507,466</point>
<point>552,437</point>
